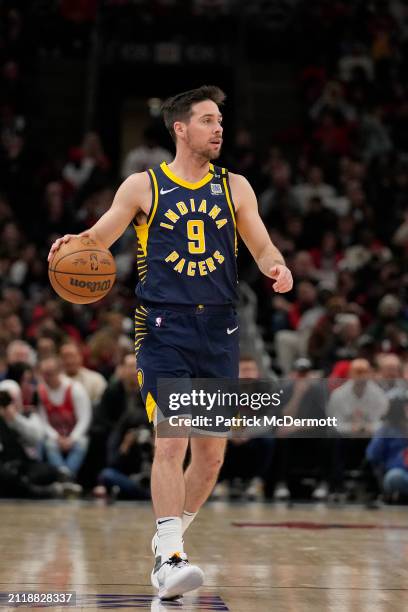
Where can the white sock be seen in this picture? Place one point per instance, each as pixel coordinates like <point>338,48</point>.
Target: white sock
<point>170,535</point>
<point>186,519</point>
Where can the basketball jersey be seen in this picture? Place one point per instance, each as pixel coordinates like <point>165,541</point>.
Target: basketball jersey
<point>187,248</point>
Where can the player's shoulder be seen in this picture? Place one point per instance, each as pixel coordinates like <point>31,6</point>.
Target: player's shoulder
<point>240,187</point>
<point>135,189</point>
<point>238,180</point>
<point>137,179</point>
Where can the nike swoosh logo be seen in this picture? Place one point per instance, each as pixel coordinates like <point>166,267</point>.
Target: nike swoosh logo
<point>164,191</point>
<point>164,521</point>
<point>231,331</point>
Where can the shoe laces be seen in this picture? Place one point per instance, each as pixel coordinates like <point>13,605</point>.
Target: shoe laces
<point>176,559</point>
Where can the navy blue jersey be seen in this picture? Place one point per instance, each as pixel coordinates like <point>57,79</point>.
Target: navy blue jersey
<point>187,248</point>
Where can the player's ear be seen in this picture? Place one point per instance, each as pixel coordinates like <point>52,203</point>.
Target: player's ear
<point>179,128</point>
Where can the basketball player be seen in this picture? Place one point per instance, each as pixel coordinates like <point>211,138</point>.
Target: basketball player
<point>186,215</point>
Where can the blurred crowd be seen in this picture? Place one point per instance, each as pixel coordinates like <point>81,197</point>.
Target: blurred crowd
<point>333,192</point>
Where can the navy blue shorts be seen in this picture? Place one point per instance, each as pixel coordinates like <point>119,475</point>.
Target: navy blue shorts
<point>173,341</point>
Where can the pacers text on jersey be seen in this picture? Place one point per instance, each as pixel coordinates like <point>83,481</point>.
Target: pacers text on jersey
<point>195,235</point>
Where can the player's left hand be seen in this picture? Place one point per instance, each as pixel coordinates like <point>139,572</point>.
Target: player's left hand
<point>282,277</point>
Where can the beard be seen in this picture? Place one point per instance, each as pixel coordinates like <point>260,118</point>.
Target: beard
<point>206,152</point>
<point>209,153</point>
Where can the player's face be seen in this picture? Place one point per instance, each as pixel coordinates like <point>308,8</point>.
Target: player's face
<point>203,133</point>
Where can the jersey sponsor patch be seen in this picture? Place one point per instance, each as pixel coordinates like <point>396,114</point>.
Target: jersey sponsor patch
<point>216,189</point>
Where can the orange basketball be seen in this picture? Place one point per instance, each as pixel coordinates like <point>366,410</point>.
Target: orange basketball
<point>82,271</point>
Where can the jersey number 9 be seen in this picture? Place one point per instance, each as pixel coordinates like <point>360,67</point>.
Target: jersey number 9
<point>196,237</point>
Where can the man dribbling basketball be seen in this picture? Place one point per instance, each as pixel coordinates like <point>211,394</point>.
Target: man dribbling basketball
<point>186,216</point>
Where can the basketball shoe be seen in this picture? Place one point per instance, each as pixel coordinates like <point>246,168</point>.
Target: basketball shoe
<point>174,576</point>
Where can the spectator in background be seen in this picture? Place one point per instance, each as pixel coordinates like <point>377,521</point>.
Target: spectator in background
<point>333,101</point>
<point>357,61</point>
<point>104,351</point>
<point>19,351</point>
<point>247,464</point>
<point>301,315</point>
<point>58,215</point>
<point>122,395</point>
<point>147,155</point>
<point>65,409</point>
<point>20,475</point>
<point>304,396</point>
<point>129,455</point>
<point>315,187</point>
<point>26,421</point>
<point>72,364</point>
<point>390,330</point>
<point>278,198</point>
<point>388,451</point>
<point>86,162</point>
<point>374,138</point>
<point>359,405</point>
<point>23,375</point>
<point>389,375</point>
<point>47,346</point>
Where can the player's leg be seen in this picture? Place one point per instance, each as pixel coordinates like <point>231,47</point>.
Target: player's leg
<point>158,357</point>
<point>219,358</point>
<point>168,493</point>
<point>172,575</point>
<point>207,456</point>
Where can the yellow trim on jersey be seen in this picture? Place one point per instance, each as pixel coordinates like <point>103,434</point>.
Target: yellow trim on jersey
<point>231,207</point>
<point>140,326</point>
<point>182,182</point>
<point>155,198</point>
<point>142,231</point>
<point>150,406</point>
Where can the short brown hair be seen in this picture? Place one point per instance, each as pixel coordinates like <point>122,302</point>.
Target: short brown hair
<point>178,108</point>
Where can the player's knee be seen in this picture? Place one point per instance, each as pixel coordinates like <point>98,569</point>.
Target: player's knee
<point>169,450</point>
<point>209,464</point>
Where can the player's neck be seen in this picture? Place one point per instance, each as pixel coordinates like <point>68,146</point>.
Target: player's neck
<point>189,166</point>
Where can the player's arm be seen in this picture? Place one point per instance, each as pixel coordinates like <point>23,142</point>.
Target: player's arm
<point>130,199</point>
<point>254,234</point>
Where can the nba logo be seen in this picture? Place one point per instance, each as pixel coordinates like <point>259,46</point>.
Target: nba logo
<point>158,321</point>
<point>216,189</point>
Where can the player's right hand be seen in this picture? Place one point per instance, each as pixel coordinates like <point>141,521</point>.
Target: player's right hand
<point>56,245</point>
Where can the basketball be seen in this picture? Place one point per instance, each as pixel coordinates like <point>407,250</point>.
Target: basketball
<point>82,271</point>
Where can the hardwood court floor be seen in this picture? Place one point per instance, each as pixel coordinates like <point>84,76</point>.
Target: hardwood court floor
<point>306,558</point>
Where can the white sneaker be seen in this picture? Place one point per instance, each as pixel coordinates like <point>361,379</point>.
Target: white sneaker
<point>157,560</point>
<point>281,491</point>
<point>176,576</point>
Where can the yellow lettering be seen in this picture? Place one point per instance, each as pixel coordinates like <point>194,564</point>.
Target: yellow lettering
<point>203,206</point>
<point>221,222</point>
<point>210,264</point>
<point>201,267</point>
<point>182,208</point>
<point>192,204</point>
<point>167,225</point>
<point>217,255</point>
<point>191,268</point>
<point>170,214</point>
<point>179,267</point>
<point>172,257</point>
<point>214,212</point>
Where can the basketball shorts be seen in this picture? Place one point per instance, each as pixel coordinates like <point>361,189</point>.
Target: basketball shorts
<point>176,341</point>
